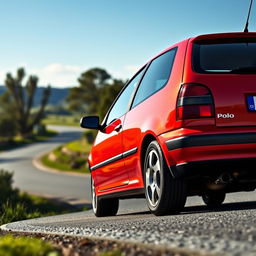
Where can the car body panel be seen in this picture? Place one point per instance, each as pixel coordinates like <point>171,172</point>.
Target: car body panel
<point>156,117</point>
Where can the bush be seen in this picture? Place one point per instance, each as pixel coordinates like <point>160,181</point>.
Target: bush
<point>16,212</point>
<point>25,246</point>
<point>7,193</point>
<point>90,136</point>
<point>7,128</point>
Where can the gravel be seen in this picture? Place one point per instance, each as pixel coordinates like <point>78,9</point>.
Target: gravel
<point>229,230</point>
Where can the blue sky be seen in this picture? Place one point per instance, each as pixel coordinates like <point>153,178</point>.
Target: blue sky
<point>59,39</point>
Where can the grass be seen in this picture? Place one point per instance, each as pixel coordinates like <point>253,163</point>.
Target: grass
<point>19,142</point>
<point>19,206</point>
<point>25,246</point>
<point>71,157</point>
<point>69,120</point>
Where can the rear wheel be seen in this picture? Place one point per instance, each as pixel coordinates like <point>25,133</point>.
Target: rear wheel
<point>103,207</point>
<point>214,198</point>
<point>164,194</point>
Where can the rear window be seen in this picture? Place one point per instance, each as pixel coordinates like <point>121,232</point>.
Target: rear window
<point>225,57</point>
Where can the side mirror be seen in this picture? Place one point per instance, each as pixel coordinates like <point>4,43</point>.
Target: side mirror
<point>90,122</point>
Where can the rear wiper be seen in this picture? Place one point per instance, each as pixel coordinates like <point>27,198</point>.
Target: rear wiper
<point>244,70</point>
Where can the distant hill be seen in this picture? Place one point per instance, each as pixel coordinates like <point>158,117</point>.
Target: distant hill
<point>58,95</point>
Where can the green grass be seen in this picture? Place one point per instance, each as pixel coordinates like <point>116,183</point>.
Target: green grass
<point>19,142</point>
<point>74,160</point>
<point>112,253</point>
<point>69,120</point>
<point>25,246</point>
<point>79,146</point>
<point>16,206</point>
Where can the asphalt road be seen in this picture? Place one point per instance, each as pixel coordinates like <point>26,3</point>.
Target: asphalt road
<point>28,178</point>
<point>229,229</point>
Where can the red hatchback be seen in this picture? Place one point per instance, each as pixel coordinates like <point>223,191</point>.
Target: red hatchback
<point>184,125</point>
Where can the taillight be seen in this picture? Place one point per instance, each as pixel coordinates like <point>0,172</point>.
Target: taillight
<point>194,101</point>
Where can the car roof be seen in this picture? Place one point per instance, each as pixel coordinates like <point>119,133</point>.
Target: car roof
<point>222,36</point>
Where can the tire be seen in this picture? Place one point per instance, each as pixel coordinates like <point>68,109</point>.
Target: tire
<point>103,207</point>
<point>214,198</point>
<point>164,194</point>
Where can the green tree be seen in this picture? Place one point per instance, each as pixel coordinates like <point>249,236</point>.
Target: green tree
<point>20,100</point>
<point>85,97</point>
<point>107,96</point>
<point>95,93</point>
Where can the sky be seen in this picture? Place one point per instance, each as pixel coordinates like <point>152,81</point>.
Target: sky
<point>57,40</point>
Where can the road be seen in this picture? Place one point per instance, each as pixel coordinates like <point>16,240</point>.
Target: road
<point>229,229</point>
<point>28,178</point>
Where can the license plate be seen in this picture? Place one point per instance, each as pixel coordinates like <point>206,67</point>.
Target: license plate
<point>251,103</point>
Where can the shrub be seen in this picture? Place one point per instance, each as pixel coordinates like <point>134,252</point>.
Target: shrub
<point>7,128</point>
<point>16,212</point>
<point>25,246</point>
<point>6,191</point>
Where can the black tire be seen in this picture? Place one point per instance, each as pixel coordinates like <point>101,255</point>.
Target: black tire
<point>164,194</point>
<point>214,198</point>
<point>103,207</point>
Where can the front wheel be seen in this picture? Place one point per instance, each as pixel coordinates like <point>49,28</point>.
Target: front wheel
<point>103,207</point>
<point>164,194</point>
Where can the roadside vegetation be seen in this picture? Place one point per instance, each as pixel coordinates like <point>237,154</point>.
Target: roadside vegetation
<point>15,205</point>
<point>71,157</point>
<point>20,123</point>
<point>17,141</point>
<point>25,246</point>
<point>54,119</point>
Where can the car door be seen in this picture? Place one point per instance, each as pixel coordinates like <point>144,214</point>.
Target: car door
<point>107,152</point>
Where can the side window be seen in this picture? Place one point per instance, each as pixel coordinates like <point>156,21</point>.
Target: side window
<point>121,105</point>
<point>156,76</point>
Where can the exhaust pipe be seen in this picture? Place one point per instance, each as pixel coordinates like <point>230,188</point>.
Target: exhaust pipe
<point>224,178</point>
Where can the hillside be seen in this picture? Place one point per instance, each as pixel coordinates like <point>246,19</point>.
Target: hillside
<point>58,95</point>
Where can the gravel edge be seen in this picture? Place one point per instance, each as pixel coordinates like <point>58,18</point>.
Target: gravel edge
<point>95,246</point>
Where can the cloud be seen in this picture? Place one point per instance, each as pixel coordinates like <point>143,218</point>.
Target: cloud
<point>61,75</point>
<point>55,74</point>
<point>58,75</point>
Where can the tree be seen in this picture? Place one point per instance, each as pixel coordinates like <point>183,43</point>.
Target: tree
<point>107,96</point>
<point>20,99</point>
<point>95,92</point>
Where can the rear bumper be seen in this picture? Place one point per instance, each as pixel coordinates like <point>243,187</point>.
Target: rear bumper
<point>202,154</point>
<point>214,167</point>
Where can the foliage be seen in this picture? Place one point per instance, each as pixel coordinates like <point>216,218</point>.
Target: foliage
<point>7,128</point>
<point>112,253</point>
<point>70,157</point>
<point>18,141</point>
<point>70,120</point>
<point>18,101</point>
<point>87,97</point>
<point>25,246</point>
<point>15,206</point>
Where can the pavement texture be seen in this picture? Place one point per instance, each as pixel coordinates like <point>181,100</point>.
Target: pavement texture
<point>228,230</point>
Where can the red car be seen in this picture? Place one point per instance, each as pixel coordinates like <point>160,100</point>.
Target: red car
<point>184,125</point>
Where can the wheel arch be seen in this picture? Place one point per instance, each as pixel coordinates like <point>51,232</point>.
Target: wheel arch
<point>148,138</point>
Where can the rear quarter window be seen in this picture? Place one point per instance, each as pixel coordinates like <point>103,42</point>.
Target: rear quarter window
<point>156,76</point>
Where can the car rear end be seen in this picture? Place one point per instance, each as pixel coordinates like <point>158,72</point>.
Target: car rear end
<point>216,114</point>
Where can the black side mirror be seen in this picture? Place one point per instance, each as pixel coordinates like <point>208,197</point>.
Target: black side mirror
<point>90,122</point>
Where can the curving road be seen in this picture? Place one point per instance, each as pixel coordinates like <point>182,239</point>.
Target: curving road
<point>229,229</point>
<point>28,178</point>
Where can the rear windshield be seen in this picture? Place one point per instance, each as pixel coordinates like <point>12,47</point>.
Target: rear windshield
<point>225,57</point>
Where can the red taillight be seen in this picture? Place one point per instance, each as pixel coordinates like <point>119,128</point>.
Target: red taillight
<point>194,101</point>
